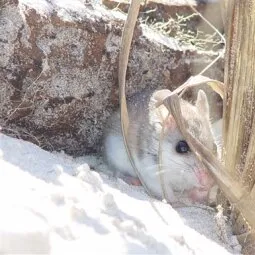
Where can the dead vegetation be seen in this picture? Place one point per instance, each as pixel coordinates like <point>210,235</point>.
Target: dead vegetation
<point>178,27</point>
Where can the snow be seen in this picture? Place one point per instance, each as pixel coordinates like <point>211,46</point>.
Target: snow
<point>52,203</point>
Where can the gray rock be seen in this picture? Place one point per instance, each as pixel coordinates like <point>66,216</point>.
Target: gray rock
<point>58,70</point>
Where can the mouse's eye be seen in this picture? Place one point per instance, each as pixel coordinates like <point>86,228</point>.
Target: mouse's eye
<point>182,147</point>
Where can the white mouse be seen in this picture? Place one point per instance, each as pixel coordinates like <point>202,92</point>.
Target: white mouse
<point>184,176</point>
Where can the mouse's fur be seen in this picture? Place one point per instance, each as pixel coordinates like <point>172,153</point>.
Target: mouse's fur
<point>184,176</point>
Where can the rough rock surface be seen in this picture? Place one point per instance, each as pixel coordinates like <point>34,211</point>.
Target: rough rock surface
<point>58,70</point>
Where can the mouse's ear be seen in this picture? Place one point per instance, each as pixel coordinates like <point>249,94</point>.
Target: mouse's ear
<point>202,103</point>
<point>160,113</point>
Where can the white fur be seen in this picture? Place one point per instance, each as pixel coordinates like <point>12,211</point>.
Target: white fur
<point>182,172</point>
<point>116,154</point>
<point>176,176</point>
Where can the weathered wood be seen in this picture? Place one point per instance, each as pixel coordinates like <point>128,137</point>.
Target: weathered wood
<point>239,99</point>
<point>239,106</point>
<point>223,5</point>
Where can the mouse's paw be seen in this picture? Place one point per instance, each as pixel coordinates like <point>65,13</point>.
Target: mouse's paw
<point>132,180</point>
<point>199,195</point>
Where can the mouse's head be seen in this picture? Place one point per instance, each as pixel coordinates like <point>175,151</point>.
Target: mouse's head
<point>185,171</point>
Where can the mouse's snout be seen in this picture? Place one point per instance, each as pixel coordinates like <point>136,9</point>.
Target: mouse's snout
<point>205,181</point>
<point>203,176</point>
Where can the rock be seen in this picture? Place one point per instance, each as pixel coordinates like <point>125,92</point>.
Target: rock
<point>58,69</point>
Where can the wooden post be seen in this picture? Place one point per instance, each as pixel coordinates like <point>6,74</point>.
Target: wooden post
<point>239,102</point>
<point>239,97</point>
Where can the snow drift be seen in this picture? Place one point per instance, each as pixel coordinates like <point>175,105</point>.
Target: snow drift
<point>52,203</point>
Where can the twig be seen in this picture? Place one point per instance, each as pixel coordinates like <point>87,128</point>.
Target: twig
<point>123,61</point>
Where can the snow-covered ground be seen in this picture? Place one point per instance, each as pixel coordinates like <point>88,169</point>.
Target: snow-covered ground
<point>54,204</point>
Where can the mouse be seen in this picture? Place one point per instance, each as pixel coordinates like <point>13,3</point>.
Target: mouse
<point>184,176</point>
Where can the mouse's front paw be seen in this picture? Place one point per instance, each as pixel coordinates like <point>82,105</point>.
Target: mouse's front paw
<point>132,180</point>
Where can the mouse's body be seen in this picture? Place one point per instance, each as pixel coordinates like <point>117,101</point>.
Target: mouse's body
<point>184,176</point>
